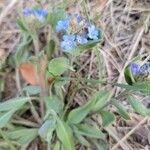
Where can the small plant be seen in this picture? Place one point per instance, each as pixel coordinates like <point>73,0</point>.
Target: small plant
<point>44,107</point>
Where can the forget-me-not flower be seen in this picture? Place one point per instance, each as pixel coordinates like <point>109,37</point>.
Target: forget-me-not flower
<point>69,21</point>
<point>40,13</point>
<point>144,69</point>
<point>81,39</point>
<point>93,32</point>
<point>78,18</point>
<point>68,43</point>
<point>27,12</point>
<point>134,68</point>
<point>62,25</point>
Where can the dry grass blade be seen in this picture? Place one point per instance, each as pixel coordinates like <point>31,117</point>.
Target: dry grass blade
<point>6,10</point>
<point>129,133</point>
<point>113,133</point>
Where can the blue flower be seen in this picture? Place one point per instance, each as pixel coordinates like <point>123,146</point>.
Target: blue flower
<point>68,42</point>
<point>27,12</point>
<point>148,100</point>
<point>134,68</point>
<point>81,39</point>
<point>62,25</point>
<point>93,33</point>
<point>40,13</point>
<point>78,18</point>
<point>144,69</point>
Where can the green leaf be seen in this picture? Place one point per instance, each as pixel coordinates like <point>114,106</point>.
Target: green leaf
<point>4,119</point>
<point>143,87</point>
<point>89,45</point>
<point>23,49</point>
<point>32,89</point>
<point>80,138</point>
<point>55,16</point>
<point>128,75</point>
<point>107,118</point>
<point>102,100</point>
<point>125,86</point>
<point>138,106</point>
<point>121,110</point>
<point>47,129</point>
<point>64,134</point>
<point>58,66</point>
<point>15,103</point>
<point>98,100</point>
<point>59,91</point>
<point>79,49</point>
<point>23,136</point>
<point>57,146</point>
<point>52,102</point>
<point>78,114</point>
<point>90,131</point>
<point>23,26</point>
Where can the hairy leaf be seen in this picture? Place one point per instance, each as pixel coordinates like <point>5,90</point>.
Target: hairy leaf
<point>121,110</point>
<point>47,129</point>
<point>64,134</point>
<point>32,89</point>
<point>58,66</point>
<point>14,103</point>
<point>24,135</point>
<point>107,118</point>
<point>4,119</point>
<point>90,131</point>
<point>138,106</point>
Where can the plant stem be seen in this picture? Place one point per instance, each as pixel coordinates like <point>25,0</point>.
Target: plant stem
<point>37,50</point>
<point>100,65</point>
<point>18,79</point>
<point>35,114</point>
<point>72,94</point>
<point>48,146</point>
<point>25,123</point>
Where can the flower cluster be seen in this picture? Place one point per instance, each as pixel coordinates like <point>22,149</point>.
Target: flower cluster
<point>140,72</point>
<point>38,13</point>
<point>76,32</point>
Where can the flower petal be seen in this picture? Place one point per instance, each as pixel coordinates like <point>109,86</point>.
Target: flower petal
<point>134,68</point>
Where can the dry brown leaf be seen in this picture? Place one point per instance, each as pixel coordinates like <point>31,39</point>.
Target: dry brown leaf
<point>28,72</point>
<point>32,75</point>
